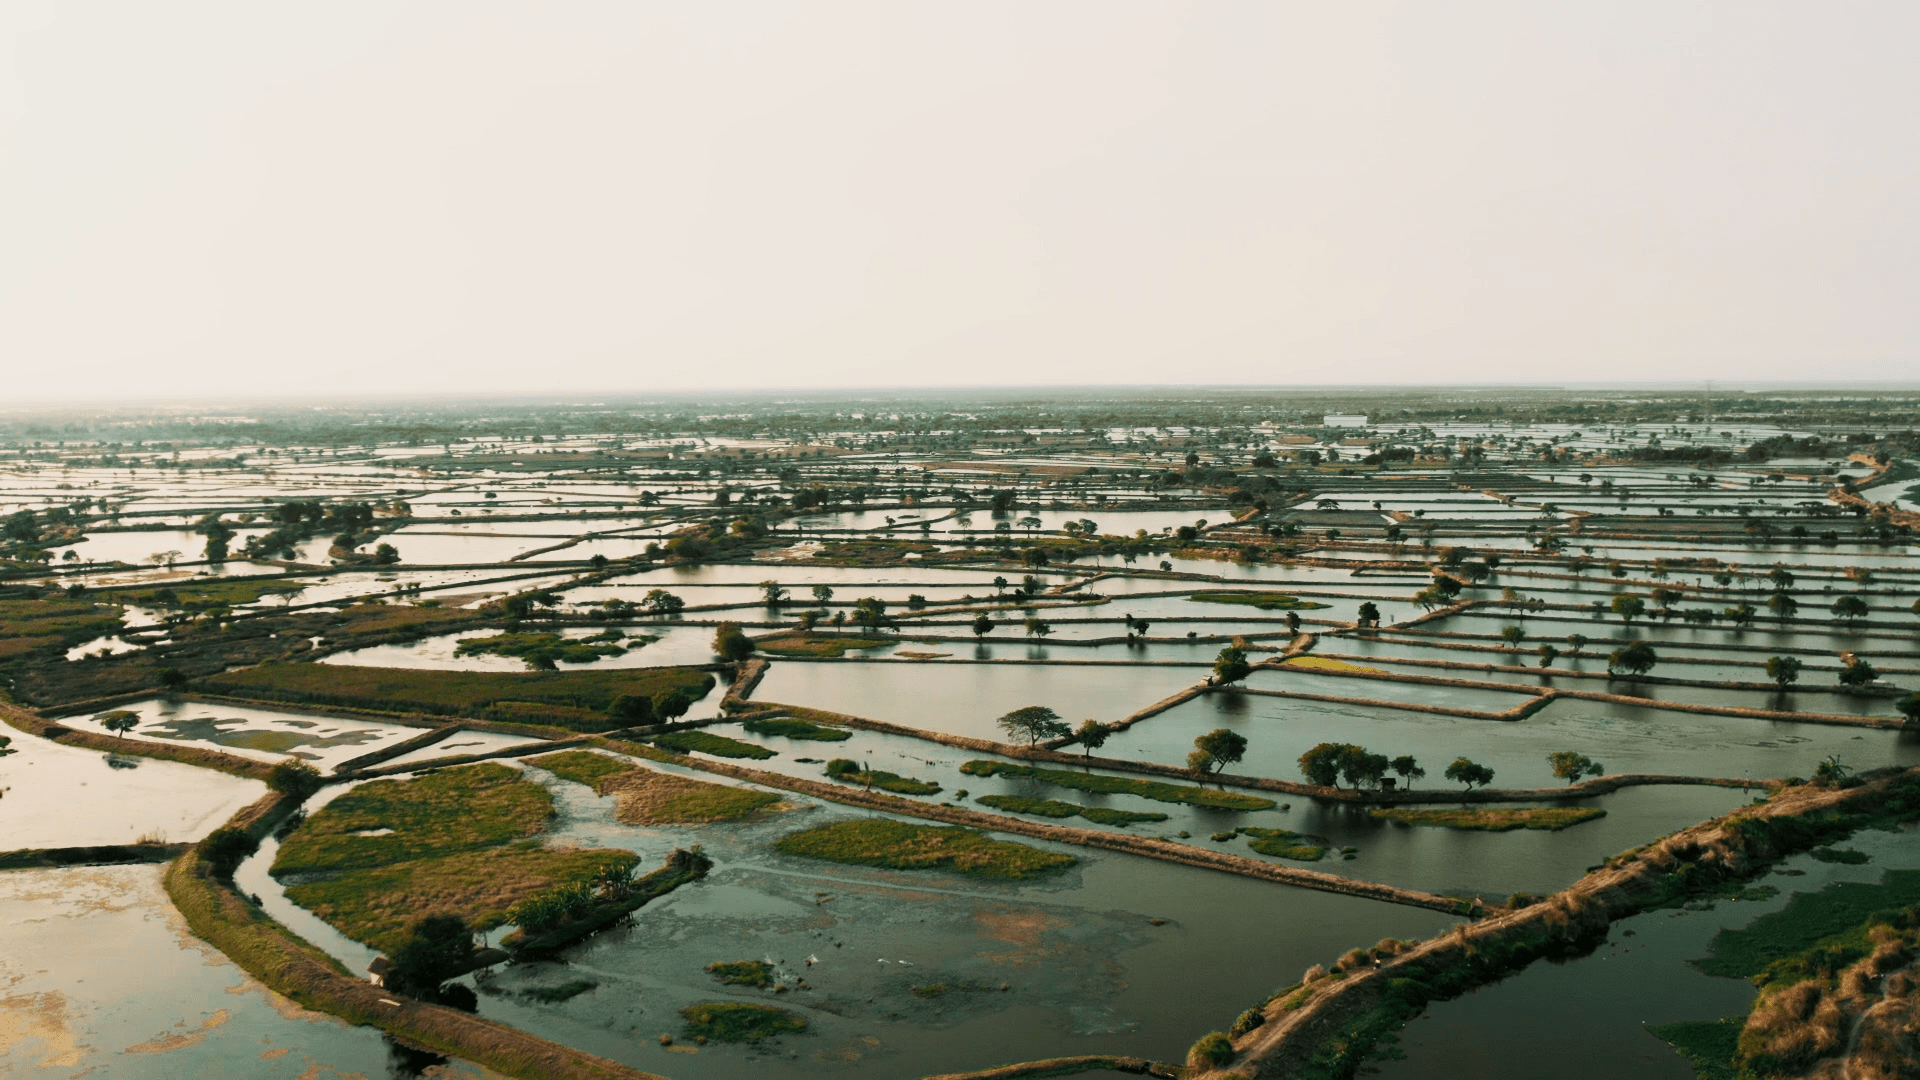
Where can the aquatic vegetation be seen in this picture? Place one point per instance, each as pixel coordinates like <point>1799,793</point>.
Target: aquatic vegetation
<point>1265,601</point>
<point>848,771</point>
<point>706,742</point>
<point>897,845</point>
<point>1284,844</point>
<point>737,1021</point>
<point>542,651</point>
<point>742,972</point>
<point>1156,790</point>
<point>1055,808</point>
<point>1494,819</point>
<point>791,728</point>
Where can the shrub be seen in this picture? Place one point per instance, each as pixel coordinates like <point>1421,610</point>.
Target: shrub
<point>295,778</point>
<point>1211,1051</point>
<point>225,848</point>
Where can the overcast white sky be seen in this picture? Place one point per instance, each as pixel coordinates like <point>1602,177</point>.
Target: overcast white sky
<point>346,197</point>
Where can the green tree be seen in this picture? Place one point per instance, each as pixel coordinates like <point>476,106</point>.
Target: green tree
<point>171,678</point>
<point>1576,642</point>
<point>822,593</point>
<point>1363,768</point>
<point>119,721</point>
<point>1636,659</point>
<point>1033,723</point>
<point>1571,766</point>
<point>772,593</point>
<point>1091,735</point>
<point>1369,614</point>
<point>731,643</point>
<point>871,613</point>
<point>1781,577</point>
<point>1909,707</point>
<point>1037,627</point>
<point>1740,615</point>
<point>1629,607</point>
<point>1784,670</point>
<point>1857,673</point>
<point>1466,772</point>
<point>1783,605</point>
<point>1849,608</point>
<point>1408,768</point>
<point>1322,764</point>
<point>632,709</point>
<point>296,778</point>
<point>662,602</point>
<point>982,626</point>
<point>1216,750</point>
<point>1513,636</point>
<point>441,947</point>
<point>1231,666</point>
<point>1548,654</point>
<point>1830,773</point>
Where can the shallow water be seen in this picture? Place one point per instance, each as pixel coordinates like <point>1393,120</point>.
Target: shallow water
<point>263,734</point>
<point>1086,971</point>
<point>99,976</point>
<point>964,699</point>
<point>65,796</point>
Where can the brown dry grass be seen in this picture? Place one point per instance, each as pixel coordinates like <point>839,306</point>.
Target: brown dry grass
<point>647,797</point>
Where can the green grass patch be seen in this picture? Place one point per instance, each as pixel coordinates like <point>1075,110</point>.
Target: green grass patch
<point>1286,845</point>
<point>577,700</point>
<point>1847,856</point>
<point>1020,804</point>
<point>738,1021</point>
<point>706,742</point>
<point>790,728</point>
<point>1503,819</point>
<point>817,644</point>
<point>850,772</point>
<point>379,905</point>
<point>742,972</point>
<point>1265,601</point>
<point>553,995</point>
<point>1107,816</point>
<point>452,810</point>
<point>897,845</point>
<point>1710,1045</point>
<point>597,771</point>
<point>871,552</point>
<point>1120,785</point>
<point>1055,808</point>
<point>540,650</point>
<point>26,625</point>
<point>1808,920</point>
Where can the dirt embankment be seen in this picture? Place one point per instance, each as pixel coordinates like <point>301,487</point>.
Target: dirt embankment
<point>1329,1014</point>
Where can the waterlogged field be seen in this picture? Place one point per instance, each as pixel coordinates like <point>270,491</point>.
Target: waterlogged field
<point>1728,601</point>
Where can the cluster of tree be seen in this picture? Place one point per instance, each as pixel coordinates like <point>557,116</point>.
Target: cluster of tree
<point>1328,763</point>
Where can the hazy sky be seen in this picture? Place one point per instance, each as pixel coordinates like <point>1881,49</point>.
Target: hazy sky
<point>335,197</point>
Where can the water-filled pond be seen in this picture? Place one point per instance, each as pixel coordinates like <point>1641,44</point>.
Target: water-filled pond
<point>66,796</point>
<point>1589,1016</point>
<point>103,978</point>
<point>264,734</point>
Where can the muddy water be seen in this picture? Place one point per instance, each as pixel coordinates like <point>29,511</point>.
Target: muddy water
<point>64,796</point>
<point>98,976</point>
<point>1589,1016</point>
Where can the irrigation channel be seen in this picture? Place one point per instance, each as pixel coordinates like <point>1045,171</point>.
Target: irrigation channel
<point>562,668</point>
